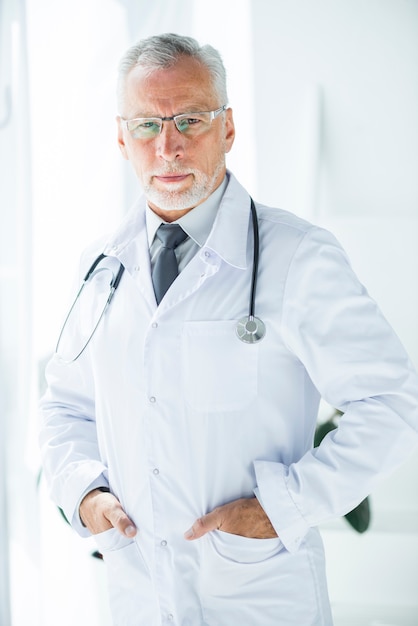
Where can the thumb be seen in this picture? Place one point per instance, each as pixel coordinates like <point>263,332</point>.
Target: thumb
<point>119,520</point>
<point>203,525</point>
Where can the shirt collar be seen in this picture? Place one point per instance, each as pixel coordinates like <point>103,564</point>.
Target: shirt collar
<point>197,223</point>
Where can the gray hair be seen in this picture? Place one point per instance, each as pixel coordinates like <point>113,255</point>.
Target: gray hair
<point>163,51</point>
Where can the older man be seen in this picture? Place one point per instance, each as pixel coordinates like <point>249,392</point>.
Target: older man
<point>183,445</point>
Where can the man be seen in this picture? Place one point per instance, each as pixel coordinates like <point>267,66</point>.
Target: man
<point>185,451</point>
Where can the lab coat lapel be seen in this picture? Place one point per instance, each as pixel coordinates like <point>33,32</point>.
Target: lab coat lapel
<point>229,235</point>
<point>130,245</point>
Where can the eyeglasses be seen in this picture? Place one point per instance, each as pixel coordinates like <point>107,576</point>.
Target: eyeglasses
<point>190,124</point>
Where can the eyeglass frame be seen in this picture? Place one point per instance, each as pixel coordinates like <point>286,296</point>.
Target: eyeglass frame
<point>214,114</point>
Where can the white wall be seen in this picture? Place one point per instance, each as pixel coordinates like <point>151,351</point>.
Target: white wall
<point>17,483</point>
<point>77,187</point>
<point>339,76</point>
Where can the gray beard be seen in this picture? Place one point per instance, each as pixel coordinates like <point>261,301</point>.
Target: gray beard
<point>201,189</point>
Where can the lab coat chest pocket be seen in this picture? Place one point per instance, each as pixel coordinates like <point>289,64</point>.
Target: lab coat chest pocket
<point>219,372</point>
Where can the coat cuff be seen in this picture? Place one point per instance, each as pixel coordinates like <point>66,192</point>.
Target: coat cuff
<point>274,497</point>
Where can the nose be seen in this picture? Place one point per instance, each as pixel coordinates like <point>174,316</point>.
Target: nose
<point>170,142</point>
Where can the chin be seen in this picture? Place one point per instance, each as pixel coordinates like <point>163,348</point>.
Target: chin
<point>175,201</point>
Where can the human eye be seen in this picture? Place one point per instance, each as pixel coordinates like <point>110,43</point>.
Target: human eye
<point>190,122</point>
<point>144,127</point>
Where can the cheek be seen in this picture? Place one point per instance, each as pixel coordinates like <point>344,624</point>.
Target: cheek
<point>141,159</point>
<point>214,155</point>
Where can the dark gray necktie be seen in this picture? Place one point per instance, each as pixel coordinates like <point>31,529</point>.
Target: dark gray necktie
<point>165,267</point>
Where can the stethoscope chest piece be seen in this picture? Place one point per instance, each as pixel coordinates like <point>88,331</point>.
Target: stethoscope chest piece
<point>250,329</point>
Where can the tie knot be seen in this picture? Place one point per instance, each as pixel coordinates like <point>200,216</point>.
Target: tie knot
<point>171,235</point>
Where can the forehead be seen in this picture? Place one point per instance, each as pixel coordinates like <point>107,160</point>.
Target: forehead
<point>185,86</point>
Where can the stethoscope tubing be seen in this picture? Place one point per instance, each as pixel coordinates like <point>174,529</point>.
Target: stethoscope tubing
<point>113,286</point>
<point>249,329</point>
<point>115,282</point>
<point>256,258</point>
<point>252,329</point>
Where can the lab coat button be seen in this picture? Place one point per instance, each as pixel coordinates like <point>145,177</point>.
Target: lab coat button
<point>156,471</point>
<point>170,617</point>
<point>154,325</point>
<point>163,543</point>
<point>153,399</point>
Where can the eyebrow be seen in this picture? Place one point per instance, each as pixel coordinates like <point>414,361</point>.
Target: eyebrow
<point>193,109</point>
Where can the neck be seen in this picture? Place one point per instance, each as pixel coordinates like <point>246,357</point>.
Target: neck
<point>169,216</point>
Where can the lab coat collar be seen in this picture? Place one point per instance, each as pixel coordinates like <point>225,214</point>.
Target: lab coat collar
<point>129,228</point>
<point>227,239</point>
<point>229,234</point>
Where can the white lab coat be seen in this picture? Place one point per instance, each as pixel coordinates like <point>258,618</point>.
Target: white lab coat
<point>178,416</point>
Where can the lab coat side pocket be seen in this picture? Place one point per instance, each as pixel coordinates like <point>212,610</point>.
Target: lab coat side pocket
<point>238,576</point>
<point>257,581</point>
<point>219,372</point>
<point>131,594</point>
<point>231,564</point>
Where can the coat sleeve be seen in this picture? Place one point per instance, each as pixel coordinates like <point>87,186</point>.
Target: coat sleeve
<point>359,366</point>
<point>71,459</point>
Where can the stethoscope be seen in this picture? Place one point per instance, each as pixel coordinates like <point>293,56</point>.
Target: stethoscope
<point>249,329</point>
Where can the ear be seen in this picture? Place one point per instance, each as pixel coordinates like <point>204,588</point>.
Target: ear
<point>229,130</point>
<point>121,138</point>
